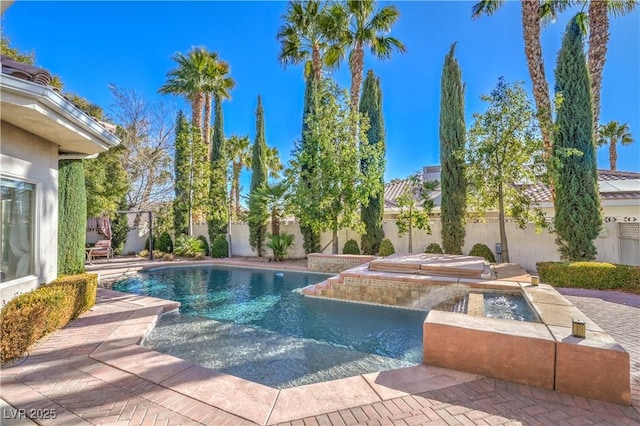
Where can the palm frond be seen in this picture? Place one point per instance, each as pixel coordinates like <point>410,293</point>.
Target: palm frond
<point>383,47</point>
<point>485,7</point>
<point>619,8</point>
<point>384,19</point>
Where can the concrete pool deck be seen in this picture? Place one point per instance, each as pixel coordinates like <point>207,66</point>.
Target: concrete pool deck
<point>94,372</point>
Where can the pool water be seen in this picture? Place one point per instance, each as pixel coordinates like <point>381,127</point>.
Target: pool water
<point>508,306</point>
<point>256,325</point>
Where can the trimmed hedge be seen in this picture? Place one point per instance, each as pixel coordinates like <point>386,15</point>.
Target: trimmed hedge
<point>351,247</point>
<point>483,251</point>
<point>220,247</point>
<point>591,275</point>
<point>386,248</point>
<point>31,316</point>
<point>434,248</point>
<point>205,244</point>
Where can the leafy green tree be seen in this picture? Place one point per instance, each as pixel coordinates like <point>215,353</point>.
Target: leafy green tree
<point>330,197</point>
<point>452,139</point>
<point>501,155</point>
<point>415,205</point>
<point>15,54</point>
<point>257,228</point>
<point>239,156</point>
<point>356,25</point>
<point>72,217</point>
<point>612,133</point>
<point>106,182</point>
<point>218,215</point>
<point>578,219</point>
<point>372,213</point>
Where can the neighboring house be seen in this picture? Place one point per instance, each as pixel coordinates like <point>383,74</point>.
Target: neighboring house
<point>38,128</point>
<point>619,241</point>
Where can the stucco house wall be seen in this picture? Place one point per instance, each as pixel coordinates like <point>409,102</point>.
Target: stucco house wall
<point>33,159</point>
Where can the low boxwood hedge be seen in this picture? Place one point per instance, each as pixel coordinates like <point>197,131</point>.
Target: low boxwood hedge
<point>591,275</point>
<point>30,316</point>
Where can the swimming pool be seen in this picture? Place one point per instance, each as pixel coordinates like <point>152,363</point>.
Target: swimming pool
<point>254,324</point>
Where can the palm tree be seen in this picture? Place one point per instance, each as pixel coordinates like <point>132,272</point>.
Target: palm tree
<point>531,26</point>
<point>239,152</point>
<point>275,198</point>
<point>303,37</point>
<point>218,85</point>
<point>188,79</point>
<point>274,166</point>
<point>598,29</point>
<point>612,133</point>
<point>356,25</point>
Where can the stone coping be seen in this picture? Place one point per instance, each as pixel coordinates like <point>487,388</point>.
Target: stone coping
<point>542,354</point>
<point>252,401</point>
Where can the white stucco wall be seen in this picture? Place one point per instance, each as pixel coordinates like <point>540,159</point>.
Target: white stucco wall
<point>526,247</point>
<point>30,158</point>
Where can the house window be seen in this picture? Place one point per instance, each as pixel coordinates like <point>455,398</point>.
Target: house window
<point>17,212</point>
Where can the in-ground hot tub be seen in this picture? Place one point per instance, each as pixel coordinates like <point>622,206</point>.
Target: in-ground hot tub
<point>543,354</point>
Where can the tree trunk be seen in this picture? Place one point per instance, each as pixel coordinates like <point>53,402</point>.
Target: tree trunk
<point>503,231</point>
<point>275,223</point>
<point>335,246</point>
<point>613,154</point>
<point>533,53</point>
<point>410,230</point>
<point>196,111</point>
<point>235,189</point>
<point>206,136</point>
<point>356,64</point>
<point>598,39</point>
<point>316,62</point>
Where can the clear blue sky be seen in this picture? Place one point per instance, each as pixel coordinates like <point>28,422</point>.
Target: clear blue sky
<point>130,44</point>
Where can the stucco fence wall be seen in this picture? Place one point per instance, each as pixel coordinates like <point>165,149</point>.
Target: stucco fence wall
<point>526,247</point>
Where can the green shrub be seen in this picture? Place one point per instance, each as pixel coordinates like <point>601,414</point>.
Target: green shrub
<point>591,275</point>
<point>168,257</point>
<point>30,316</point>
<point>155,243</point>
<point>386,248</point>
<point>482,251</point>
<point>205,244</point>
<point>434,248</point>
<point>220,247</point>
<point>351,247</point>
<point>165,243</point>
<point>279,244</point>
<point>187,246</point>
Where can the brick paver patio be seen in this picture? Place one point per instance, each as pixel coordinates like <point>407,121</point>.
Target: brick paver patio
<point>88,374</point>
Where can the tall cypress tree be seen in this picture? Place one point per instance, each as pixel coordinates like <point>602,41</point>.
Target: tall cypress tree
<point>452,139</point>
<point>181,171</point>
<point>257,227</point>
<point>578,219</point>
<point>372,213</point>
<point>72,217</point>
<point>311,238</point>
<point>218,206</point>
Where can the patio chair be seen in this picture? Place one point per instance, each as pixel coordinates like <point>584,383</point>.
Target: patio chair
<point>101,249</point>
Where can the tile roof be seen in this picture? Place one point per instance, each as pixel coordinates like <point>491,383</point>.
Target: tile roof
<point>24,71</point>
<point>614,185</point>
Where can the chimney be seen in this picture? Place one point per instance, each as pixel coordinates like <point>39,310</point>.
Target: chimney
<point>431,173</point>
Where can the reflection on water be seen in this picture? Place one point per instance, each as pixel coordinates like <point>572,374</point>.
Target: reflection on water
<point>254,324</point>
